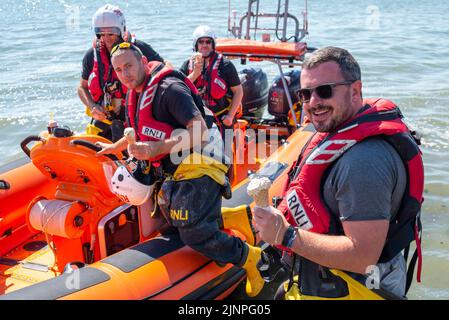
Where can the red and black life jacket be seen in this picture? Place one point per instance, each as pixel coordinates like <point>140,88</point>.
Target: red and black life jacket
<point>211,86</point>
<point>140,109</point>
<point>103,78</point>
<point>303,193</point>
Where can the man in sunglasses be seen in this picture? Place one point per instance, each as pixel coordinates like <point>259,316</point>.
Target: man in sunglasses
<point>215,77</point>
<point>354,195</point>
<point>100,90</point>
<point>180,139</point>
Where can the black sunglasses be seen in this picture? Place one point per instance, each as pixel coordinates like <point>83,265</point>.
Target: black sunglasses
<point>324,91</point>
<point>205,41</point>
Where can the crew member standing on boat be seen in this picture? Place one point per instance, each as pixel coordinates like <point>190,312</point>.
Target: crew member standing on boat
<point>215,77</point>
<point>169,118</point>
<point>100,90</point>
<point>354,196</point>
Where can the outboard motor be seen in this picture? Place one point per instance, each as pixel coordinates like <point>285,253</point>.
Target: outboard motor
<point>277,99</point>
<point>255,91</point>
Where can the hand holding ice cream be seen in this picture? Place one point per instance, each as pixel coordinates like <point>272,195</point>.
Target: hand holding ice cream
<point>270,222</point>
<point>197,63</point>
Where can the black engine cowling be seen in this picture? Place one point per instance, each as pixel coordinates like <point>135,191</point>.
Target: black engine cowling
<point>277,99</point>
<point>255,90</point>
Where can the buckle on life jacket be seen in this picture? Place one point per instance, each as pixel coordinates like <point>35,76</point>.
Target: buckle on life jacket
<point>276,200</point>
<point>270,264</point>
<point>416,136</point>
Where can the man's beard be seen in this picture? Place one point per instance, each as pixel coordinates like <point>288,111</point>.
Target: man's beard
<point>326,125</point>
<point>334,120</point>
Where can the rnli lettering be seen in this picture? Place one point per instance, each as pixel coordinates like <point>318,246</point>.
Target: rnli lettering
<point>221,84</point>
<point>298,212</point>
<point>154,133</point>
<point>181,214</point>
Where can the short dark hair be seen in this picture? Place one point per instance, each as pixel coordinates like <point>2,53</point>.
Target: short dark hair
<point>348,65</point>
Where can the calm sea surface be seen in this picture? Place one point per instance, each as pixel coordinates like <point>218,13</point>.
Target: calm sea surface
<point>402,47</point>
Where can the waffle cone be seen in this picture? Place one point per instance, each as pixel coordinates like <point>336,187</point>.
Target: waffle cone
<point>261,198</point>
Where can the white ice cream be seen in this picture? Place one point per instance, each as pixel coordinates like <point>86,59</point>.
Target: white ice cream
<point>258,185</point>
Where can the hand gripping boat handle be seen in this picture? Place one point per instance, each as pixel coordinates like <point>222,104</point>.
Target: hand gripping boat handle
<point>93,147</point>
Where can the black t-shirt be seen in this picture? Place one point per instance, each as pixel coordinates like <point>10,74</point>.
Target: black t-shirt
<point>226,71</point>
<point>88,60</point>
<point>174,103</point>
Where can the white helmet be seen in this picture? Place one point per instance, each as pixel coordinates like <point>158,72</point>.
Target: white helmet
<point>110,17</point>
<point>128,189</point>
<point>203,32</point>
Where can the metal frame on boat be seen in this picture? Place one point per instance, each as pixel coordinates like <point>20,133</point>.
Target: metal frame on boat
<point>257,49</point>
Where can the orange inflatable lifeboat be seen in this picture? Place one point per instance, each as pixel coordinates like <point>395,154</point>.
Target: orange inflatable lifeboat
<point>65,235</point>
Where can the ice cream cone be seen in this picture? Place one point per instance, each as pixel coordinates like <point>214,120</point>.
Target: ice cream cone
<point>130,135</point>
<point>259,188</point>
<point>197,57</point>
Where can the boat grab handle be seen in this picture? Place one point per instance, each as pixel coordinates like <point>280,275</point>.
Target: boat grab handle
<point>93,147</point>
<point>4,185</point>
<point>26,141</point>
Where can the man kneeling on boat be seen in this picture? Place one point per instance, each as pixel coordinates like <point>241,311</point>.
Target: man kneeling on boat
<point>163,107</point>
<point>354,196</point>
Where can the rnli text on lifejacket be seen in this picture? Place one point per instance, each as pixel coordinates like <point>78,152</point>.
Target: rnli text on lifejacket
<point>180,214</point>
<point>151,132</point>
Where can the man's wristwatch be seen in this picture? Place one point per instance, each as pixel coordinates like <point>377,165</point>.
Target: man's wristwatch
<point>289,236</point>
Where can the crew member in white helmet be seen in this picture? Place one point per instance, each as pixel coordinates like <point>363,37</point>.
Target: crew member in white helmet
<point>215,77</point>
<point>100,90</point>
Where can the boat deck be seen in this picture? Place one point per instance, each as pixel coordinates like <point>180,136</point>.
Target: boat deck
<point>27,264</point>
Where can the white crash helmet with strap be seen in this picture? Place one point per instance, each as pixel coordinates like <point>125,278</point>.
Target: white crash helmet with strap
<point>128,189</point>
<point>203,32</point>
<point>109,18</point>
